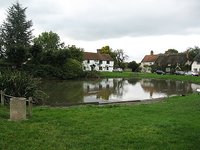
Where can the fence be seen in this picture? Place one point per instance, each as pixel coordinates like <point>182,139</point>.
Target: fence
<point>17,107</point>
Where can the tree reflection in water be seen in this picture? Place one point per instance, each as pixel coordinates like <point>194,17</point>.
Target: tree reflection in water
<point>116,89</point>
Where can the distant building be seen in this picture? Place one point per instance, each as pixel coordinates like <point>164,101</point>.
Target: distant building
<point>196,64</point>
<point>172,62</point>
<point>97,61</point>
<point>166,62</point>
<point>147,62</point>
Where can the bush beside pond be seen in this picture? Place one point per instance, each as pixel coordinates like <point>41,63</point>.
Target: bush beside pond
<point>19,84</point>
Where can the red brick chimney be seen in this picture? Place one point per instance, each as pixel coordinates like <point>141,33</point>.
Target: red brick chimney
<point>99,51</point>
<point>151,53</point>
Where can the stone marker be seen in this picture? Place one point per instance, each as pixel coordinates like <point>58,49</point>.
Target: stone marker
<point>17,108</point>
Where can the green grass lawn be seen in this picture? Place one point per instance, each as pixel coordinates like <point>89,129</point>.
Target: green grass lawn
<point>193,79</point>
<point>170,124</point>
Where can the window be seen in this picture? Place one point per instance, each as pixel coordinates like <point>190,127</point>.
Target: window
<point>100,68</point>
<point>108,62</point>
<point>88,61</point>
<point>100,61</point>
<point>107,68</point>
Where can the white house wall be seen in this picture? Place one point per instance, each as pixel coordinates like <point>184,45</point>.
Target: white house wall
<point>196,66</point>
<point>104,65</point>
<point>146,66</point>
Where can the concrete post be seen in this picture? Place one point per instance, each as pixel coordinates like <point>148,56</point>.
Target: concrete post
<point>30,106</point>
<point>17,108</point>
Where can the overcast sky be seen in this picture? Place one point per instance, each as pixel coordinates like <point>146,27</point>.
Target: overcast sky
<point>136,26</point>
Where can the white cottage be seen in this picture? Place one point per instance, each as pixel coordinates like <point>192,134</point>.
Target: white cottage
<point>98,62</point>
<point>196,64</point>
<point>147,62</point>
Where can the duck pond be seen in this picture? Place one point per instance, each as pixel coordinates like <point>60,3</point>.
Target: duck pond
<point>73,92</point>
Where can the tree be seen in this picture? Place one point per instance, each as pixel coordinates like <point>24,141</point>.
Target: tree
<point>75,53</point>
<point>2,52</point>
<point>36,52</point>
<point>16,34</point>
<point>133,66</point>
<point>17,54</point>
<point>72,69</point>
<point>49,41</point>
<point>120,57</point>
<point>106,50</point>
<point>171,51</point>
<point>192,52</point>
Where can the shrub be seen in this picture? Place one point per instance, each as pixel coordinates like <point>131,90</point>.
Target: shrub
<point>92,74</point>
<point>45,71</point>
<point>19,84</point>
<point>72,69</point>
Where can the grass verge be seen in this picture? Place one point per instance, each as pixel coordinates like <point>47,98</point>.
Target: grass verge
<point>170,124</point>
<point>194,79</point>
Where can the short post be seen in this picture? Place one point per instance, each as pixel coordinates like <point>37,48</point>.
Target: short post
<point>30,106</point>
<point>198,91</point>
<point>2,98</point>
<point>17,108</point>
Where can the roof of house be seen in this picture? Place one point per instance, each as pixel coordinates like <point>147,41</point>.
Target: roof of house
<point>172,59</point>
<point>97,56</point>
<point>197,58</point>
<point>150,58</point>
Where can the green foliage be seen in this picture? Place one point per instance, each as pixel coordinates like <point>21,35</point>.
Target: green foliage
<point>63,63</point>
<point>36,52</point>
<point>133,66</point>
<point>171,51</point>
<point>61,57</point>
<point>120,58</point>
<point>72,69</point>
<point>18,84</point>
<point>75,53</point>
<point>92,74</point>
<point>116,74</point>
<point>49,41</point>
<point>55,58</point>
<point>193,52</point>
<point>16,34</point>
<point>44,71</point>
<point>106,50</point>
<point>17,54</point>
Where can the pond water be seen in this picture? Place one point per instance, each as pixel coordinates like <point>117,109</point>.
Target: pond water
<point>63,93</point>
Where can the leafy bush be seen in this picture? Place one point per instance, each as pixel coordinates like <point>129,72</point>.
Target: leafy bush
<point>45,71</point>
<point>17,54</point>
<point>19,84</point>
<point>72,69</point>
<point>92,74</point>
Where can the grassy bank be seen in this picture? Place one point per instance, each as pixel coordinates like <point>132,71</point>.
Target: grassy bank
<point>170,124</point>
<point>193,79</point>
<point>116,74</point>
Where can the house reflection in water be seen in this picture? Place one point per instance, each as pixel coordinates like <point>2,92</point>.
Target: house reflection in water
<point>102,90</point>
<point>69,92</point>
<point>167,87</point>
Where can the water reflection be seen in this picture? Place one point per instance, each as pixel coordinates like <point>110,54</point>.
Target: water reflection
<point>109,90</point>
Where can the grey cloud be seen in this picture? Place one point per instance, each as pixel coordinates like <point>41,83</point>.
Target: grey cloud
<point>115,18</point>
